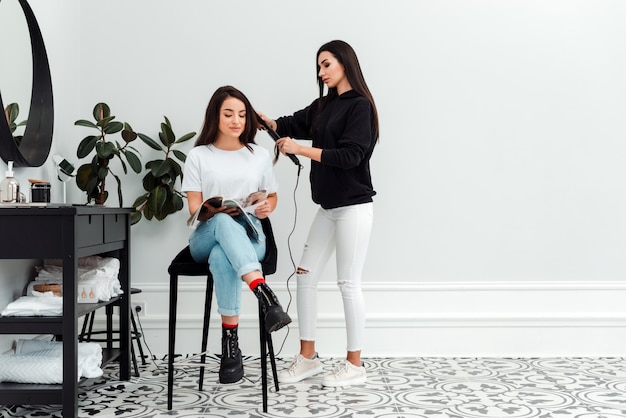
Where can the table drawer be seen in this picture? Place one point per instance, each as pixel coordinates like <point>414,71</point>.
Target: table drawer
<point>89,230</point>
<point>114,228</point>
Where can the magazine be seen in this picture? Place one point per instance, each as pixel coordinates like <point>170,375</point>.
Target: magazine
<point>245,206</point>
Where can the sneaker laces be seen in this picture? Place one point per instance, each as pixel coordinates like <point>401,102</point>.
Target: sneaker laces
<point>340,369</point>
<point>294,364</point>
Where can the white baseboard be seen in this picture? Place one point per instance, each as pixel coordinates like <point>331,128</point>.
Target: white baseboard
<point>505,319</point>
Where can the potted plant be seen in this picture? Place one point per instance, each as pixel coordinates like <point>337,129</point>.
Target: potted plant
<point>91,177</point>
<point>161,198</point>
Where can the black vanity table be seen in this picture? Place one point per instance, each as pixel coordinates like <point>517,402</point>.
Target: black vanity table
<point>66,232</point>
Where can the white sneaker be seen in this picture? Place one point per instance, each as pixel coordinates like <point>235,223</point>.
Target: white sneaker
<point>300,368</point>
<point>345,374</point>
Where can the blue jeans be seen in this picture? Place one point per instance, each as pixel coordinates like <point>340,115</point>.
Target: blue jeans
<point>222,242</point>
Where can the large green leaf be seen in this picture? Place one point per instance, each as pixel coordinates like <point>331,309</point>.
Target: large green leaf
<point>168,137</point>
<point>105,150</point>
<point>161,169</point>
<point>113,127</point>
<point>157,199</point>
<point>149,182</point>
<point>176,168</point>
<point>135,217</point>
<point>88,124</point>
<point>147,213</point>
<point>180,155</point>
<point>140,200</point>
<point>151,142</point>
<point>133,161</point>
<point>185,137</point>
<point>177,201</point>
<point>12,111</point>
<point>86,146</point>
<point>101,111</point>
<point>83,174</point>
<point>167,209</point>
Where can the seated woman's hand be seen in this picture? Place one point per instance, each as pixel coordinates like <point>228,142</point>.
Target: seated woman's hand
<point>263,210</point>
<point>209,211</point>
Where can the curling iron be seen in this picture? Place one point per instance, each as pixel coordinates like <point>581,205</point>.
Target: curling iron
<point>276,137</point>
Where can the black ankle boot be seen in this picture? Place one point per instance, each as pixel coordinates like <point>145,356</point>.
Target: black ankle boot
<point>231,364</point>
<point>275,317</point>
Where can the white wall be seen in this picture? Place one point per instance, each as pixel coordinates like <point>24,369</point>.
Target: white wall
<point>499,216</point>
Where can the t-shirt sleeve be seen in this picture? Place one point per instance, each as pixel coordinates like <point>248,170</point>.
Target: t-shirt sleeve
<point>191,173</point>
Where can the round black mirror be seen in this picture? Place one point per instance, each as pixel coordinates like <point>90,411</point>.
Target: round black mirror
<point>35,144</point>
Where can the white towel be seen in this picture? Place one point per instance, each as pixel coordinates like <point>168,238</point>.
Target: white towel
<point>40,304</point>
<point>99,273</point>
<point>38,361</point>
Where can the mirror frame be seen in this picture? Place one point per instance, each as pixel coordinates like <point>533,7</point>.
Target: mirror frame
<point>35,145</point>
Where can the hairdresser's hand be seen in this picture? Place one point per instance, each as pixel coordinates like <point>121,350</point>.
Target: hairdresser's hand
<point>287,145</point>
<point>270,122</point>
<point>263,210</point>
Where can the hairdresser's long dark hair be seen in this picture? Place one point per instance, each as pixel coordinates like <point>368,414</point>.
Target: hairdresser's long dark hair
<point>346,56</point>
<point>209,132</point>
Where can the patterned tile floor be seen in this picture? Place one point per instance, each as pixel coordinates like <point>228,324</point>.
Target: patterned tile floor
<point>396,387</point>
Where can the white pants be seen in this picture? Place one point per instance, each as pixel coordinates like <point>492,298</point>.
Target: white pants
<point>346,231</point>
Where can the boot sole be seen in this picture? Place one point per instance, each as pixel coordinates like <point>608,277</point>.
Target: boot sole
<point>232,378</point>
<point>277,323</point>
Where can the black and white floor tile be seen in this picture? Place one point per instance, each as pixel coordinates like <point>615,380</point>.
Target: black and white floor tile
<point>396,388</point>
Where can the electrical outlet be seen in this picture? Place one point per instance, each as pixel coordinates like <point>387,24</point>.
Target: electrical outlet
<point>139,308</point>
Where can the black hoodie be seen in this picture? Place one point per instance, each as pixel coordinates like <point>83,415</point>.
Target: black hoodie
<point>344,130</point>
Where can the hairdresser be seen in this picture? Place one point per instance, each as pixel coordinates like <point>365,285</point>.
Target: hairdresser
<point>343,128</point>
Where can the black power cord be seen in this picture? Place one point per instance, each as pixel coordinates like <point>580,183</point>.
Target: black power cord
<point>143,337</point>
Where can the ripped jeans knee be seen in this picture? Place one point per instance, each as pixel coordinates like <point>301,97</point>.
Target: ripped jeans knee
<point>349,288</point>
<point>301,271</point>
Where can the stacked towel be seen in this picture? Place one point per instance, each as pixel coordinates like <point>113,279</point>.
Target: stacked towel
<point>99,273</point>
<point>39,304</point>
<point>37,361</point>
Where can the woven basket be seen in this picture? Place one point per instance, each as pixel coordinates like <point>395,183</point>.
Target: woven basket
<point>55,288</point>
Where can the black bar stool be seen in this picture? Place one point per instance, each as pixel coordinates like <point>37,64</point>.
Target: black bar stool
<point>184,265</point>
<point>87,332</point>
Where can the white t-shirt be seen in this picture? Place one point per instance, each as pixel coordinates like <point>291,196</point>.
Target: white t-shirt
<point>230,174</point>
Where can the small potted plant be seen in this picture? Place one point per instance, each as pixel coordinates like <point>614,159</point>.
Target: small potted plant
<point>162,198</point>
<point>91,177</point>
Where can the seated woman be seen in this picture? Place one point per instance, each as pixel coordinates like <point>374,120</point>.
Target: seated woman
<point>227,162</point>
